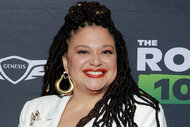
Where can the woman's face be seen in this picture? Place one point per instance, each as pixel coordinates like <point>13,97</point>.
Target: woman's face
<point>91,59</point>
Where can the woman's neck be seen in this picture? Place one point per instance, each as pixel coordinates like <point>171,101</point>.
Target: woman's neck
<point>84,100</point>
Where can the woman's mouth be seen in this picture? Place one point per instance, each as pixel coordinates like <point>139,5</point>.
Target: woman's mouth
<point>95,73</point>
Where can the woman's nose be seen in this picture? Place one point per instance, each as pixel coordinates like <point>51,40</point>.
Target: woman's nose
<point>95,61</point>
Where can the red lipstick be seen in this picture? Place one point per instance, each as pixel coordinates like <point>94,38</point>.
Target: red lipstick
<point>91,75</point>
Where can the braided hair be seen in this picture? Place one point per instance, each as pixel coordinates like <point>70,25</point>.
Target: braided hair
<point>118,102</point>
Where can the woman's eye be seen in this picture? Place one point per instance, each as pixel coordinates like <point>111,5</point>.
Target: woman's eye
<point>107,52</point>
<point>82,52</point>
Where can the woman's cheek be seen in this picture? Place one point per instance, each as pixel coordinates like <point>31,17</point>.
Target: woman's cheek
<point>78,61</point>
<point>111,61</point>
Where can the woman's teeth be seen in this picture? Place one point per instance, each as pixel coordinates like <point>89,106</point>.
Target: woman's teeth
<point>94,73</point>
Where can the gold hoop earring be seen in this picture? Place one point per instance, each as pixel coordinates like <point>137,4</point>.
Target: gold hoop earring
<point>69,89</point>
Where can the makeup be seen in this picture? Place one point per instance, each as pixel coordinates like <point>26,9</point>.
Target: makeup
<point>98,73</point>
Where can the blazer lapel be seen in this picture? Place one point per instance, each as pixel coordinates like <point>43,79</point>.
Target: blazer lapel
<point>56,111</point>
<point>53,117</point>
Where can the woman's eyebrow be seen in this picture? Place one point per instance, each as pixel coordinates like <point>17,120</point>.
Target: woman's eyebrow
<point>89,47</point>
<point>82,46</point>
<point>108,46</point>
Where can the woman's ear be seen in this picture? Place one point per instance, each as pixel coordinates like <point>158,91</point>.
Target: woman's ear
<point>65,62</point>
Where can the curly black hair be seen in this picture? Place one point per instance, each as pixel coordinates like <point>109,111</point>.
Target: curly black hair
<point>118,103</point>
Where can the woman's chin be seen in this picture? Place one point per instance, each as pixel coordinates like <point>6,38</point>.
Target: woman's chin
<point>97,90</point>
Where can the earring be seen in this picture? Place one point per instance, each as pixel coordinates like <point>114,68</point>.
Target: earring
<point>60,81</point>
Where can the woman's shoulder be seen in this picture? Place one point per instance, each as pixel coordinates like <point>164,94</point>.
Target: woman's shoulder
<point>145,115</point>
<point>43,106</point>
<point>43,102</point>
<point>143,107</point>
<point>45,99</point>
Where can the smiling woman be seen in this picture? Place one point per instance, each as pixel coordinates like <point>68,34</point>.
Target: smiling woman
<point>88,64</point>
<point>91,59</point>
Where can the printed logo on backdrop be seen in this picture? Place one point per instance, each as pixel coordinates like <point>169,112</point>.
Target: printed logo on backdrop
<point>172,88</point>
<point>16,69</point>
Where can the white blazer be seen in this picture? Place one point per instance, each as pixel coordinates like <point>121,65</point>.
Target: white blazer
<point>46,112</point>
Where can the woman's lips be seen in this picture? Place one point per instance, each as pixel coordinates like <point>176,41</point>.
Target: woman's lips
<point>95,73</point>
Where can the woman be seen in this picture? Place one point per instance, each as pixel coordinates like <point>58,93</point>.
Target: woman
<point>88,79</point>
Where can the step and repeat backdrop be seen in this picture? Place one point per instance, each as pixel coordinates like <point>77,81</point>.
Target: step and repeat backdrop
<point>157,33</point>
